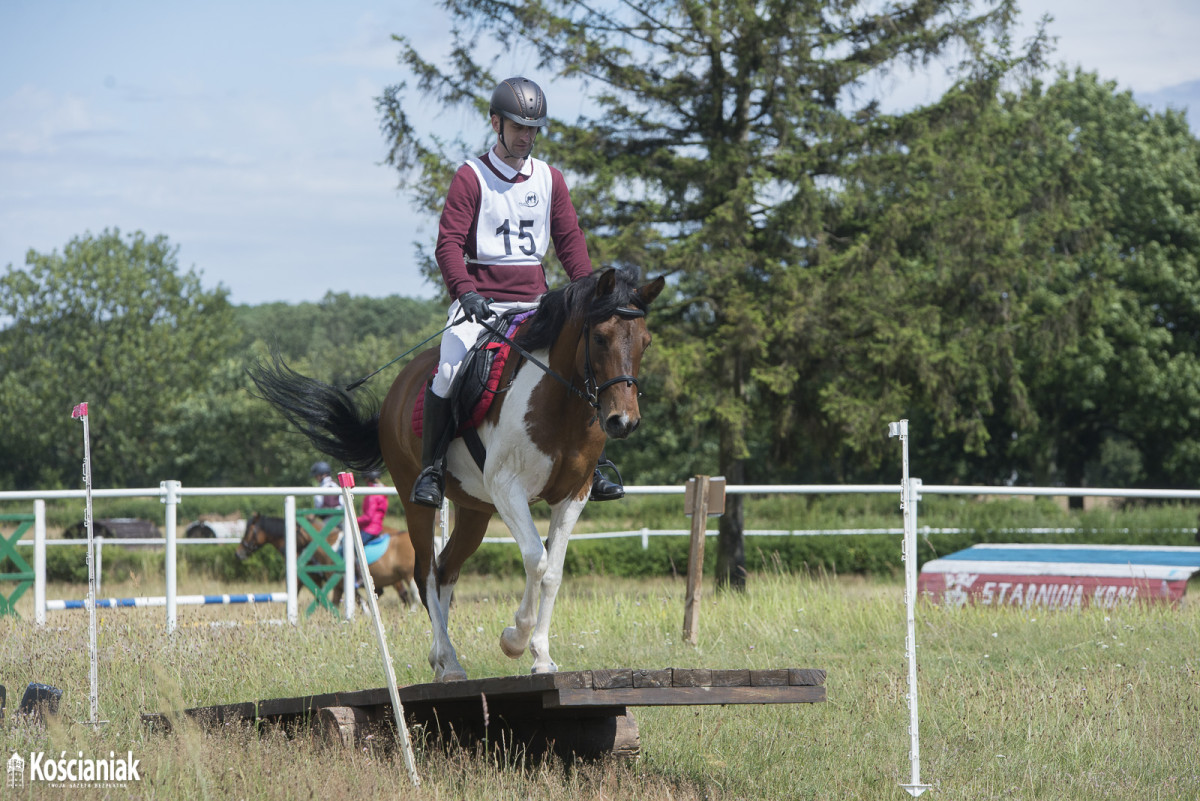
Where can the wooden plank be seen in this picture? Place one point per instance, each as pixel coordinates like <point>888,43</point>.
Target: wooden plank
<point>731,678</point>
<point>591,692</point>
<point>652,678</point>
<point>769,678</point>
<point>806,676</point>
<point>222,714</point>
<point>692,677</point>
<point>612,679</point>
<point>686,696</point>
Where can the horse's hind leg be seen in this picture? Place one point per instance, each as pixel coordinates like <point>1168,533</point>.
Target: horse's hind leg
<point>469,528</point>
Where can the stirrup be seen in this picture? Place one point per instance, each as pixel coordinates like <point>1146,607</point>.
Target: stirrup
<point>602,488</point>
<point>428,488</point>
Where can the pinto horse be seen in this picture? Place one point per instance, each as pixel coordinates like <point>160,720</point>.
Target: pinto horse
<point>393,569</point>
<point>543,434</point>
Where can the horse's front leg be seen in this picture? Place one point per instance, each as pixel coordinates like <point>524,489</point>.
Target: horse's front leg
<point>562,522</point>
<point>513,506</point>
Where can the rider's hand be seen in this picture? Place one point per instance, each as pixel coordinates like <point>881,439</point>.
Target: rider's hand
<point>475,306</point>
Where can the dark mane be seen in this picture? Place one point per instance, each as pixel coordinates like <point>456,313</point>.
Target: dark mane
<point>577,300</point>
<point>272,526</point>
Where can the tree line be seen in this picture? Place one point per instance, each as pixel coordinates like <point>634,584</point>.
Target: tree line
<point>1012,266</point>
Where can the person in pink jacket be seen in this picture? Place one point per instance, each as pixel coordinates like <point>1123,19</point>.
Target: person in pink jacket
<point>374,509</point>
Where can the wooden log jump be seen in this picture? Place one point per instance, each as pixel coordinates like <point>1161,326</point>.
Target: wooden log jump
<point>574,715</point>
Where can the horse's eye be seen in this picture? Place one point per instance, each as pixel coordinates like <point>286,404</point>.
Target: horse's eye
<point>599,340</point>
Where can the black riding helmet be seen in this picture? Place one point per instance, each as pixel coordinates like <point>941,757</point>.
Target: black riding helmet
<point>520,100</point>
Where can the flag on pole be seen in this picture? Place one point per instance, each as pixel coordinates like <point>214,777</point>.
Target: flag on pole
<point>80,410</point>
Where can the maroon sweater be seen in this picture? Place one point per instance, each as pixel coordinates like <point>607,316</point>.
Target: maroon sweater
<point>456,241</point>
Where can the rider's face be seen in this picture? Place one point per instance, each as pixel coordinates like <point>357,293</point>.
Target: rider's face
<point>518,139</point>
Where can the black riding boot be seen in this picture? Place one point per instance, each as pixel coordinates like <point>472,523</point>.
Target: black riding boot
<point>602,488</point>
<point>435,440</point>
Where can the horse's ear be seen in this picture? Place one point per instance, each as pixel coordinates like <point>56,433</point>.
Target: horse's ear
<point>606,283</point>
<point>650,291</point>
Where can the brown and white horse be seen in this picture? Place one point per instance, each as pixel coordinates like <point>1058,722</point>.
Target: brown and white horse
<point>543,435</point>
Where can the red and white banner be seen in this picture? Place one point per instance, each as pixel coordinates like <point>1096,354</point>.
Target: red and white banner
<point>1059,576</point>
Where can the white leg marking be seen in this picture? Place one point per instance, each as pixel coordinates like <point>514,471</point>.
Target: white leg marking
<point>442,657</point>
<point>513,506</point>
<point>562,521</point>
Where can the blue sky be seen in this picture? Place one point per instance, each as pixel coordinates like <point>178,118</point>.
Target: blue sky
<point>246,131</point>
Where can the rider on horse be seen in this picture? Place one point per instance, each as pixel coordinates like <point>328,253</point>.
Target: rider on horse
<point>501,212</point>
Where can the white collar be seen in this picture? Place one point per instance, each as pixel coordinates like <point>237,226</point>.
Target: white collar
<point>508,172</point>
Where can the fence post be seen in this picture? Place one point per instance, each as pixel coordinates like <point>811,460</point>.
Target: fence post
<point>39,562</point>
<point>289,551</point>
<point>171,499</point>
<point>691,605</point>
<point>909,494</point>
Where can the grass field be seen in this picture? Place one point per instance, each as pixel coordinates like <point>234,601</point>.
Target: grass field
<point>1014,704</point>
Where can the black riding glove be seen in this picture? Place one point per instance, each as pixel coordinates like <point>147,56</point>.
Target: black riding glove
<point>475,306</point>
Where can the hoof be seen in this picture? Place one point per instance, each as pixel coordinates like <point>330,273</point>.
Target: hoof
<point>508,645</point>
<point>550,668</point>
<point>453,675</point>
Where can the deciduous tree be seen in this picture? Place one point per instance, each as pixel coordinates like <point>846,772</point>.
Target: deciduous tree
<point>110,320</point>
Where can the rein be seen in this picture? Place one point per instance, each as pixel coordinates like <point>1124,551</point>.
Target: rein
<point>591,392</point>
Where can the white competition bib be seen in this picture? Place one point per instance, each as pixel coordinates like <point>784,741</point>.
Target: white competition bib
<point>514,219</point>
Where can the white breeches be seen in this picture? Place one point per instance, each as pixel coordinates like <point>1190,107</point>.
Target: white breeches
<point>460,338</point>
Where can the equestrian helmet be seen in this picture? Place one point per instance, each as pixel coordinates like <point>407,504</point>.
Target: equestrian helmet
<point>520,100</point>
<point>319,469</point>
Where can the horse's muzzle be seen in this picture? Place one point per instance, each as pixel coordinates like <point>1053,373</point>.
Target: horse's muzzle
<point>620,426</point>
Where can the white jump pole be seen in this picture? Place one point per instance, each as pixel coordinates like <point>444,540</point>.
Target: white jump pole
<point>80,412</point>
<point>39,562</point>
<point>289,539</point>
<point>170,491</point>
<point>350,530</point>
<point>350,580</point>
<point>909,494</point>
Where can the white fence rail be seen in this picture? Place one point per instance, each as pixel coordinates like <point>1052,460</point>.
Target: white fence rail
<point>171,493</point>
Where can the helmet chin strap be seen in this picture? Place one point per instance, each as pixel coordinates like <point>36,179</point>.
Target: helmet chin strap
<point>504,145</point>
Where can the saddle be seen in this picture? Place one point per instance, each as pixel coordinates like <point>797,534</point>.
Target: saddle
<point>477,382</point>
<point>377,547</point>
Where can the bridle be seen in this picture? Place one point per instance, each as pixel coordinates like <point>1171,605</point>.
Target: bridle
<point>254,543</point>
<point>589,375</point>
<point>590,394</point>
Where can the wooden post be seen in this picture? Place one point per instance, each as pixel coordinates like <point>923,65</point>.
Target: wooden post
<point>691,606</point>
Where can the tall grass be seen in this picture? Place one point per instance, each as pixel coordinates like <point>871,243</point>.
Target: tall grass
<point>1088,704</point>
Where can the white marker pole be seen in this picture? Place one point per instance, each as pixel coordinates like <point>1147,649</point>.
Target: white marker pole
<point>908,502</point>
<point>80,412</point>
<point>350,530</point>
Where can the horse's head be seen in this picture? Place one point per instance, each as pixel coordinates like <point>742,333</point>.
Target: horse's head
<point>610,351</point>
<point>253,538</point>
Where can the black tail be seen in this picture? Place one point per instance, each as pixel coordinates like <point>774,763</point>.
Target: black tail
<point>327,415</point>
